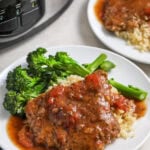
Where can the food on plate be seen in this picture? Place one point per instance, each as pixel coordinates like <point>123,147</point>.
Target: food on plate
<point>24,83</point>
<point>129,19</point>
<point>67,105</point>
<point>79,116</point>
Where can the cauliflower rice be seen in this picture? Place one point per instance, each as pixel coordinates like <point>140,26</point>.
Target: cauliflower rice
<point>139,37</point>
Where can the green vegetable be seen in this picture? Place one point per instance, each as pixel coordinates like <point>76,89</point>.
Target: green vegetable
<point>107,66</point>
<point>66,63</point>
<point>100,63</point>
<point>19,80</point>
<point>38,63</point>
<point>96,63</point>
<point>129,91</point>
<point>21,88</point>
<point>42,71</point>
<point>15,102</point>
<point>41,65</point>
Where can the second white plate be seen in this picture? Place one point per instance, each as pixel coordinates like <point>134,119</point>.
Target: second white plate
<point>110,40</point>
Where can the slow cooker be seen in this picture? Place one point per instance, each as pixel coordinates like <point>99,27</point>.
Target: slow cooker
<point>20,19</point>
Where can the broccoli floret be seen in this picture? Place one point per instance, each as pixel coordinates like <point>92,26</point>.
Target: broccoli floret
<point>42,66</point>
<point>63,57</point>
<point>15,102</point>
<point>69,64</point>
<point>37,57</point>
<point>39,64</point>
<point>21,88</point>
<point>19,80</point>
<point>53,67</point>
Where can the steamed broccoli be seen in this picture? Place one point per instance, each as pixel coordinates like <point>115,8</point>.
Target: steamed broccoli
<point>37,62</point>
<point>19,80</point>
<point>66,63</point>
<point>129,91</point>
<point>42,71</point>
<point>21,87</point>
<point>60,65</point>
<point>100,63</point>
<point>15,102</point>
<point>107,65</point>
<point>96,63</point>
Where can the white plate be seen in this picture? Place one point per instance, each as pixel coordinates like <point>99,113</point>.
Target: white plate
<point>113,42</point>
<point>125,72</point>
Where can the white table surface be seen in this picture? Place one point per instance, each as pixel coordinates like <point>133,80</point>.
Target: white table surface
<point>71,28</point>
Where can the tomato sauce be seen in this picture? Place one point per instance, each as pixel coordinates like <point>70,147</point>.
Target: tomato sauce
<point>140,108</point>
<point>98,9</point>
<point>14,125</point>
<point>122,15</point>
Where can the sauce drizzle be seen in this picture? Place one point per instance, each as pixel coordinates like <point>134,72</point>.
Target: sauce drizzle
<point>14,125</point>
<point>98,9</point>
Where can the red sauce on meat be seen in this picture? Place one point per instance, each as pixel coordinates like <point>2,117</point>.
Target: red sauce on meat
<point>14,125</point>
<point>119,15</point>
<point>76,117</point>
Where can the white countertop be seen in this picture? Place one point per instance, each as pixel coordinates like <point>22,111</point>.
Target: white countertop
<point>71,28</point>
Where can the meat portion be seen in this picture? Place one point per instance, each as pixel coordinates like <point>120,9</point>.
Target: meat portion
<point>119,15</point>
<point>75,117</point>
